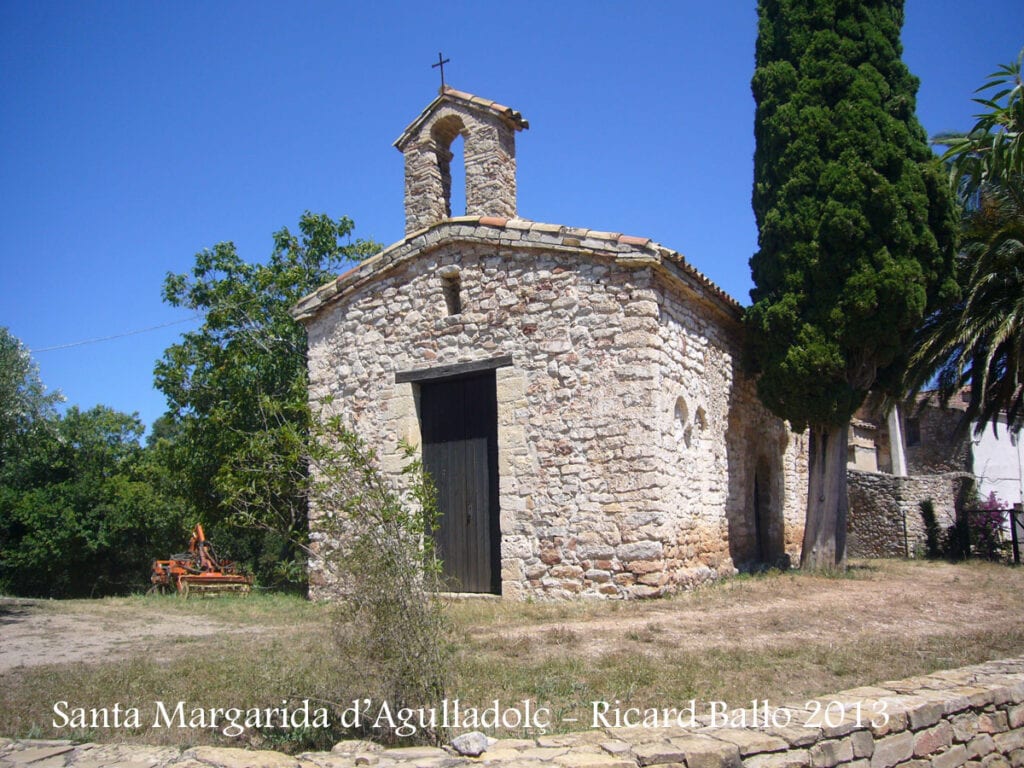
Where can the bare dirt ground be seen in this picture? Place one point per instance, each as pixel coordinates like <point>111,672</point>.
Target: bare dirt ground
<point>778,636</point>
<point>36,632</point>
<point>876,599</point>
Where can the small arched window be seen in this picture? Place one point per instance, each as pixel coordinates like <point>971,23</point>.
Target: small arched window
<point>447,133</point>
<point>451,287</point>
<point>701,419</point>
<point>681,426</point>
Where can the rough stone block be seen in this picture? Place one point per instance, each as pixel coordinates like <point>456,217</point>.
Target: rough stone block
<point>977,696</point>
<point>512,744</point>
<point>951,758</point>
<point>1009,741</point>
<point>701,752</point>
<point>844,727</point>
<point>38,754</point>
<point>544,754</point>
<point>893,749</point>
<point>1004,694</point>
<point>640,550</point>
<point>591,738</point>
<point>585,759</point>
<point>993,722</point>
<point>894,720</point>
<point>503,757</point>
<point>616,747</point>
<point>965,726</point>
<point>865,692</point>
<point>750,741</point>
<point>863,744</point>
<point>232,757</point>
<point>658,754</point>
<point>922,713</point>
<point>1015,715</point>
<point>793,758</point>
<point>796,735</point>
<point>829,753</point>
<point>980,746</point>
<point>933,739</point>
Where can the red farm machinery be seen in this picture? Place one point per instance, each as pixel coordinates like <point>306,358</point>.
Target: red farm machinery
<point>198,572</point>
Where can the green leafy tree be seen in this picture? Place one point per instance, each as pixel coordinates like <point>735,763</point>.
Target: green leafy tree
<point>25,405</point>
<point>82,516</point>
<point>978,341</point>
<point>236,389</point>
<point>856,230</point>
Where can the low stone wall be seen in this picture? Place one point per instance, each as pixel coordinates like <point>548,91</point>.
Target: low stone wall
<point>885,513</point>
<point>966,718</point>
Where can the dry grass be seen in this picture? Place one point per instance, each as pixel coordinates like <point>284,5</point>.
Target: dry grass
<point>781,637</point>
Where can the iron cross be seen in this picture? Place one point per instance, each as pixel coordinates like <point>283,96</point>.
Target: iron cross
<point>440,63</point>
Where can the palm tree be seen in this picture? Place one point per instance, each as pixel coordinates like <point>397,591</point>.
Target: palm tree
<point>977,341</point>
<point>993,151</point>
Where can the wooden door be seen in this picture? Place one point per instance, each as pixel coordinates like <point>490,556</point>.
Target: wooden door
<point>459,420</point>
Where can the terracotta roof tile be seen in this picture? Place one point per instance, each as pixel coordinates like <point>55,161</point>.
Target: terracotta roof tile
<point>449,94</point>
<point>631,240</point>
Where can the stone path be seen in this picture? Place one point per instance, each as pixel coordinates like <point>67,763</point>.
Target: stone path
<point>966,718</point>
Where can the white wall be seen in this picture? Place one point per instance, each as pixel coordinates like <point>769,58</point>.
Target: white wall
<point>998,463</point>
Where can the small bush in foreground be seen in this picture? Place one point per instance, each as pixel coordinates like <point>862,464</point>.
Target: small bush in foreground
<point>392,626</point>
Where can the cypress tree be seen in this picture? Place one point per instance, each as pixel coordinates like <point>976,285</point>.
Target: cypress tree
<point>856,230</point>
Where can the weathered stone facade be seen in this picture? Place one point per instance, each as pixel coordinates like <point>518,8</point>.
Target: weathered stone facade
<point>885,505</point>
<point>885,511</point>
<point>929,436</point>
<point>633,455</point>
<point>934,444</point>
<point>490,156</point>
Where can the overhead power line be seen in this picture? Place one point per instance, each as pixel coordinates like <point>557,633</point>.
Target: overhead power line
<point>116,335</point>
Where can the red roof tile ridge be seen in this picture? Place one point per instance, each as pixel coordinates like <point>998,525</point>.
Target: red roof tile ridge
<point>494,221</point>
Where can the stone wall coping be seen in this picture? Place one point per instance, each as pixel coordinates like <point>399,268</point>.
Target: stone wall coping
<point>449,94</point>
<point>943,720</point>
<point>520,234</point>
<point>908,479</point>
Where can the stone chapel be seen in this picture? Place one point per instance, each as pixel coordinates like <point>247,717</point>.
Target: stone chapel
<point>577,395</point>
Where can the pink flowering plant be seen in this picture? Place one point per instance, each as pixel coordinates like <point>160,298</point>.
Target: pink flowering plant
<point>987,527</point>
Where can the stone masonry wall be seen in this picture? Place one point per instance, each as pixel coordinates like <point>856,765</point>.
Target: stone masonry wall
<point>489,156</point>
<point>885,513</point>
<point>717,436</point>
<point>939,449</point>
<point>966,718</point>
<point>623,425</point>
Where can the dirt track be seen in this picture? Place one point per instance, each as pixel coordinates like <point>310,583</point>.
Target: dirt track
<point>35,632</point>
<point>879,599</point>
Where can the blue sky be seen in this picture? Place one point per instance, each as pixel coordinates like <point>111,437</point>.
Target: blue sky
<point>135,134</point>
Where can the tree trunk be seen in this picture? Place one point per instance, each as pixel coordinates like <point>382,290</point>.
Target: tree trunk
<point>824,545</point>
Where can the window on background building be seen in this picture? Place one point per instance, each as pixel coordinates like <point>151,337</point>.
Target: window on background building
<point>913,432</point>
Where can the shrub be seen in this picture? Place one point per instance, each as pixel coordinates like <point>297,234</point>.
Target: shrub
<point>986,528</point>
<point>392,626</point>
<point>977,531</point>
